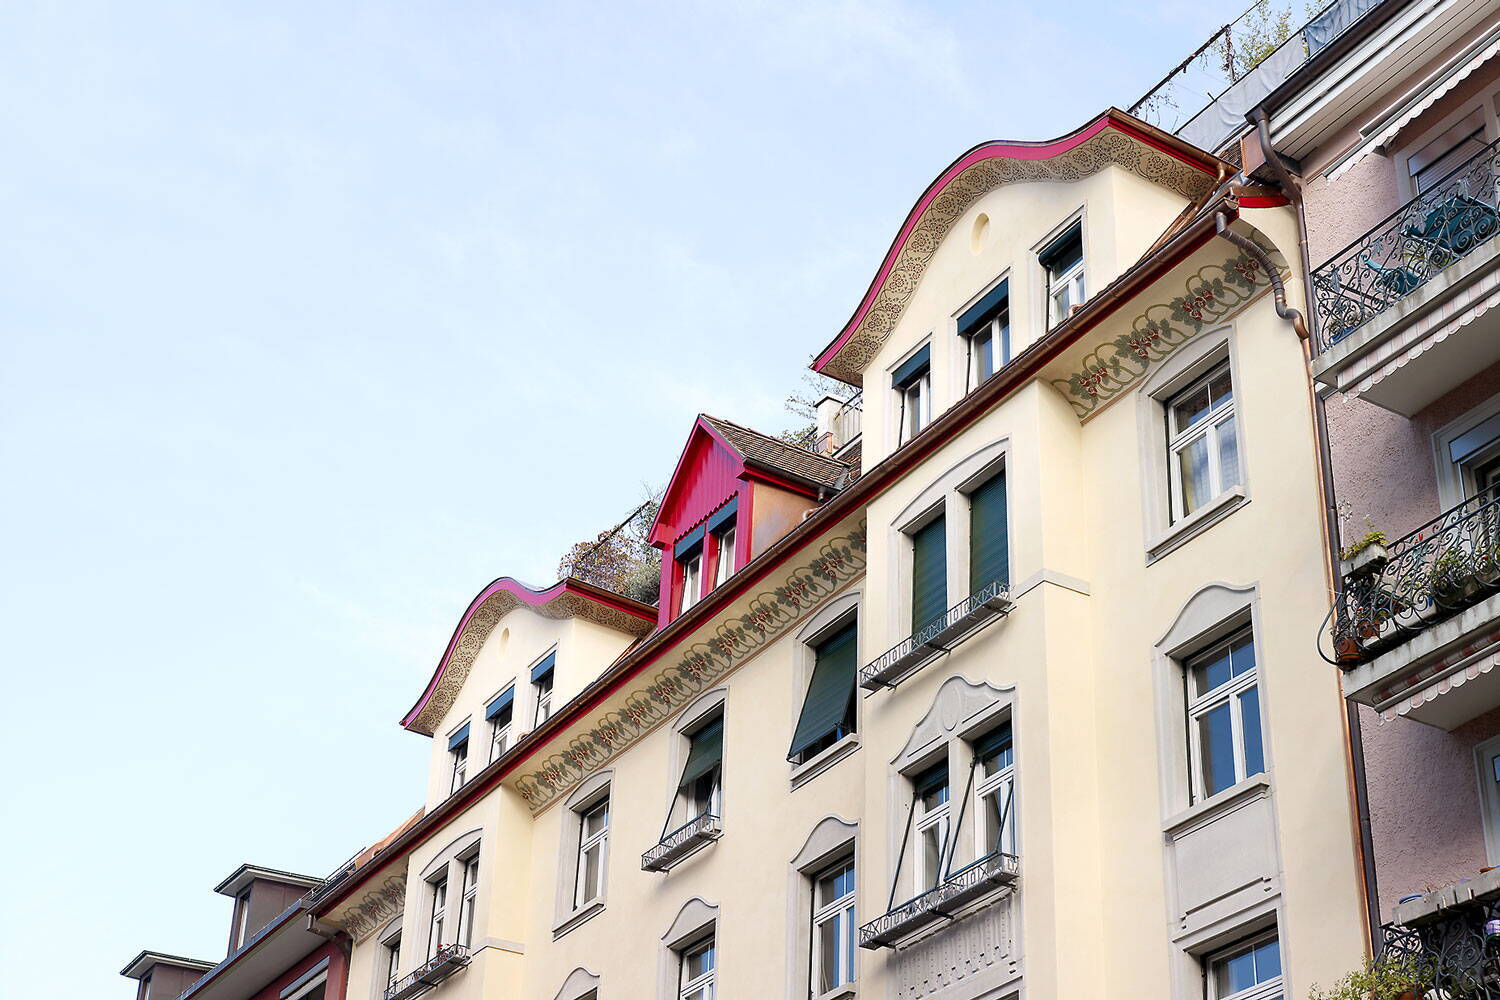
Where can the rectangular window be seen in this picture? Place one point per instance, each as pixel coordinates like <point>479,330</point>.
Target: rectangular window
<point>929,572</point>
<point>392,961</point>
<point>695,980</point>
<point>593,854</point>
<point>1247,971</point>
<point>724,567</point>
<point>241,918</point>
<point>828,713</point>
<point>1444,154</point>
<point>499,713</point>
<point>699,789</point>
<point>985,327</point>
<point>913,385</point>
<point>692,579</point>
<point>833,928</point>
<point>1062,259</point>
<point>145,991</point>
<point>995,793</point>
<point>458,751</point>
<point>1203,453</point>
<point>466,902</point>
<point>1223,706</point>
<point>930,825</point>
<point>989,535</point>
<point>541,688</point>
<point>439,915</point>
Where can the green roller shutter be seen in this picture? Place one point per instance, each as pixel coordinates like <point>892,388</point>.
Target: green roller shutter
<point>929,573</point>
<point>830,693</point>
<point>989,540</point>
<point>705,753</point>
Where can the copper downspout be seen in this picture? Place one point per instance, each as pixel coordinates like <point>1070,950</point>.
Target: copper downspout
<point>1278,289</point>
<point>1354,731</point>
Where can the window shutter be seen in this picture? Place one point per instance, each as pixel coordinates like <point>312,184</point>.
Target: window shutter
<point>989,541</point>
<point>544,668</point>
<point>993,742</point>
<point>929,573</point>
<point>1065,251</point>
<point>930,780</point>
<point>829,693</point>
<point>981,312</point>
<point>459,738</point>
<point>912,368</point>
<point>501,703</point>
<point>705,753</point>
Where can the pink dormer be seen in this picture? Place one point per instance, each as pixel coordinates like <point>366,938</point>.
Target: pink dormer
<point>733,494</point>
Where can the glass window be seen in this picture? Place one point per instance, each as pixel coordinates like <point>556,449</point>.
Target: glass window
<point>1247,971</point>
<point>931,825</point>
<point>1202,448</point>
<point>593,854</point>
<point>828,708</point>
<point>392,961</point>
<point>989,347</point>
<point>724,560</point>
<point>833,928</point>
<point>241,918</point>
<point>439,916</point>
<point>1062,261</point>
<point>916,405</point>
<point>692,579</point>
<point>995,793</point>
<point>460,754</point>
<point>466,904</point>
<point>543,689</point>
<point>1225,740</point>
<point>699,788</point>
<point>1434,161</point>
<point>695,979</point>
<point>500,732</point>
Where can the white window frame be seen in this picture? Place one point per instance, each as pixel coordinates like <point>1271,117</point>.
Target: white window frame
<point>997,332</point>
<point>692,579</point>
<point>938,817</point>
<point>1070,282</point>
<point>500,731</point>
<point>703,985</point>
<point>466,904</point>
<point>1272,987</point>
<point>460,775</point>
<point>1209,428</point>
<point>1482,103</point>
<point>1001,786</point>
<point>391,947</point>
<point>242,918</point>
<point>724,558</point>
<point>1230,693</point>
<point>1486,756</point>
<point>543,697</point>
<point>438,912</point>
<point>588,842</point>
<point>842,914</point>
<point>915,406</point>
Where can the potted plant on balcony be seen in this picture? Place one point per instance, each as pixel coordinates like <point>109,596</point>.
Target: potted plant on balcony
<point>1451,578</point>
<point>1387,977</point>
<point>1366,556</point>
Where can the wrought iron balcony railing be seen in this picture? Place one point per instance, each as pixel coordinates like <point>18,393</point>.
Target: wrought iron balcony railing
<point>932,640</point>
<point>995,870</point>
<point>1450,563</point>
<point>449,959</point>
<point>680,843</point>
<point>1455,955</point>
<point>1410,247</point>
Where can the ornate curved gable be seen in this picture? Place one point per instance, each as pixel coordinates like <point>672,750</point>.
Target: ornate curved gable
<point>1112,139</point>
<point>568,598</point>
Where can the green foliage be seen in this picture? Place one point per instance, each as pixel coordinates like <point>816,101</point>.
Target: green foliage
<point>1260,31</point>
<point>621,560</point>
<point>1382,979</point>
<point>802,404</point>
<point>1374,537</point>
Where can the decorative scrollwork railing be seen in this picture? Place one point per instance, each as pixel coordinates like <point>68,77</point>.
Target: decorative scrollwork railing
<point>449,959</point>
<point>994,870</point>
<point>968,616</point>
<point>1408,248</point>
<point>1455,955</point>
<point>681,842</point>
<point>1450,563</point>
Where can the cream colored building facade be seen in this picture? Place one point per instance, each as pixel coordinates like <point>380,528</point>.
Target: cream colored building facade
<point>1145,846</point>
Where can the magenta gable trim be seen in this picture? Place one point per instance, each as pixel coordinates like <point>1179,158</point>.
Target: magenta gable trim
<point>984,151</point>
<point>527,596</point>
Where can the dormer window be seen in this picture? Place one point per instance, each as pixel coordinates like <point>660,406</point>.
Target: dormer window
<point>1062,259</point>
<point>541,688</point>
<point>458,750</point>
<point>724,567</point>
<point>913,384</point>
<point>692,578</point>
<point>241,919</point>
<point>985,327</point>
<point>720,531</point>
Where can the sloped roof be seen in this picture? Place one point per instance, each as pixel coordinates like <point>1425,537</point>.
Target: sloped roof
<point>778,456</point>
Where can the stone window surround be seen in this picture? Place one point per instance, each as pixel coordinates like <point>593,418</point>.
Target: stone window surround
<point>592,791</point>
<point>383,939</point>
<point>1190,962</point>
<point>696,920</point>
<point>825,621</point>
<point>705,705</point>
<point>948,494</point>
<point>832,839</point>
<point>960,712</point>
<point>1451,483</point>
<point>1193,360</point>
<point>581,984</point>
<point>449,861</point>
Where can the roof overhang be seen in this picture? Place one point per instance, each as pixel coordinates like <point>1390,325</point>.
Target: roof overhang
<point>1112,139</point>
<point>569,598</point>
<point>142,964</point>
<point>245,874</point>
<point>271,952</point>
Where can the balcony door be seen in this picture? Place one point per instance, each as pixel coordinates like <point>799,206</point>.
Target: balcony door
<point>1487,767</point>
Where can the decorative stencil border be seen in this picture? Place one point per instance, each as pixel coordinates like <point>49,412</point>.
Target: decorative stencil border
<point>838,561</point>
<point>374,908</point>
<point>1216,293</point>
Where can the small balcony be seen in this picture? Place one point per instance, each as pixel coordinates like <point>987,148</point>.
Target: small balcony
<point>683,842</point>
<point>1447,943</point>
<point>995,872</point>
<point>450,958</point>
<point>1402,311</point>
<point>985,605</point>
<point>1413,620</point>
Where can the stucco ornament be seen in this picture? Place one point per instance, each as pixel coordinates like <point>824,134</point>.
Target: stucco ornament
<point>1215,293</point>
<point>361,917</point>
<point>731,643</point>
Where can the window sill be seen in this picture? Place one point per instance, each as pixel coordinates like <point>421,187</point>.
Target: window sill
<point>846,992</point>
<point>808,770</point>
<point>1197,523</point>
<point>578,918</point>
<point>1214,806</point>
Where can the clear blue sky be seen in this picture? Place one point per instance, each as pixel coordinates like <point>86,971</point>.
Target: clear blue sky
<point>314,318</point>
